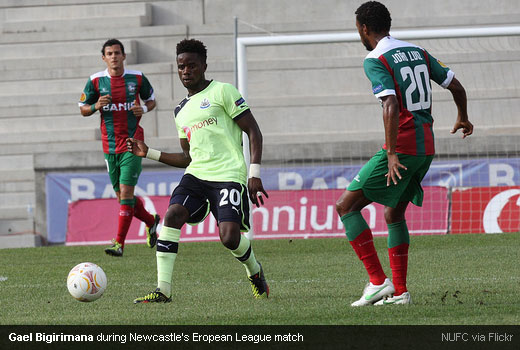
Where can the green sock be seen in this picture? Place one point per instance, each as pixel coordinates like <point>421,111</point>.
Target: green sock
<point>354,224</point>
<point>398,234</point>
<point>167,247</point>
<point>130,202</point>
<point>244,254</point>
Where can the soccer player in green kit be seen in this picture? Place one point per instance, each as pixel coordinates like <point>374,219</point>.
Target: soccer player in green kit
<point>116,93</point>
<point>400,74</point>
<point>210,122</point>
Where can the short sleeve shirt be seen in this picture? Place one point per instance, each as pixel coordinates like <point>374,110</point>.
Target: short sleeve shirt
<point>207,121</point>
<point>399,68</point>
<point>117,121</point>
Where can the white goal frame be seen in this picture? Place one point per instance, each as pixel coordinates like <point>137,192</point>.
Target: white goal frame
<point>242,43</point>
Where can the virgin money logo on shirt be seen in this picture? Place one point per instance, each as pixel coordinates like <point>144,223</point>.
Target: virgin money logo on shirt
<point>188,130</point>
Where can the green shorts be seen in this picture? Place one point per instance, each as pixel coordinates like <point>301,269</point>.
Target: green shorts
<point>123,168</point>
<point>372,180</point>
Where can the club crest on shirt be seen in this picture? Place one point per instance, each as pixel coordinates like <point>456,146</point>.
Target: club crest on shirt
<point>131,88</point>
<point>83,97</point>
<point>205,104</point>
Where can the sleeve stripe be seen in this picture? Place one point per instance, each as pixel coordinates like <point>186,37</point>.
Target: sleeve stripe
<point>240,115</point>
<point>448,80</point>
<point>385,93</point>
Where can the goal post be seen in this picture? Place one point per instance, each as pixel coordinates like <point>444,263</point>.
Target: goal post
<point>242,43</point>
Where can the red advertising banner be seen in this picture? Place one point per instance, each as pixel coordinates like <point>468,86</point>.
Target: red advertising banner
<point>485,210</point>
<point>286,214</point>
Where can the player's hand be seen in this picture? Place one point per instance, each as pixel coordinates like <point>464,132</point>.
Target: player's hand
<point>103,101</point>
<point>137,109</point>
<point>137,147</point>
<point>466,126</point>
<point>393,174</point>
<point>256,191</point>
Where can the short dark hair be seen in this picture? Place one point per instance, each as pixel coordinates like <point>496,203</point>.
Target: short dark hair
<point>375,16</point>
<point>111,42</point>
<point>192,46</point>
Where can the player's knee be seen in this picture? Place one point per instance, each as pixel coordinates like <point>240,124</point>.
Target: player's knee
<point>392,216</point>
<point>341,207</point>
<point>176,216</point>
<point>229,236</point>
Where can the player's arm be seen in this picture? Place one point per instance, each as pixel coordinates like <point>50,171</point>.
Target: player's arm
<point>139,109</point>
<point>247,122</point>
<point>179,160</point>
<point>459,97</point>
<point>87,110</point>
<point>391,123</point>
<point>147,95</point>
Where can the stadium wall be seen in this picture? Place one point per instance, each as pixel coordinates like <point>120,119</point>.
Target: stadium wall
<point>57,43</point>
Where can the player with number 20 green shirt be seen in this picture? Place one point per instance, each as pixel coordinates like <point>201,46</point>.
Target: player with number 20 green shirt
<point>210,122</point>
<point>400,73</point>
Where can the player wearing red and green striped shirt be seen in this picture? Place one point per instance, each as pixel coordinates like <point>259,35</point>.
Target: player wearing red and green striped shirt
<point>122,97</point>
<point>400,74</point>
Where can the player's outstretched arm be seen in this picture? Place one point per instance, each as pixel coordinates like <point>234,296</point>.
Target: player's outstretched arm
<point>141,149</point>
<point>459,97</point>
<point>255,187</point>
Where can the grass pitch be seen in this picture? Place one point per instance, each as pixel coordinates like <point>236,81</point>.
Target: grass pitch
<point>453,280</point>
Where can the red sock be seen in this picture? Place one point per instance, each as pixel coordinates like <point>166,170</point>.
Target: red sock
<point>364,247</point>
<point>141,213</point>
<point>126,213</point>
<point>399,263</point>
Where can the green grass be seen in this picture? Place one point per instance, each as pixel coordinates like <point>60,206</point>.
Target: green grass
<point>454,280</point>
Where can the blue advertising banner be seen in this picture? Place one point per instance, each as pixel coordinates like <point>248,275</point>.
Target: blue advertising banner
<point>63,188</point>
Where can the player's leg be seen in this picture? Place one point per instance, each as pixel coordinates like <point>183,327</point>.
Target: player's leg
<point>398,243</point>
<point>114,172</point>
<point>230,205</point>
<point>183,202</point>
<point>360,237</point>
<point>398,235</point>
<point>368,186</point>
<point>131,168</point>
<point>167,248</point>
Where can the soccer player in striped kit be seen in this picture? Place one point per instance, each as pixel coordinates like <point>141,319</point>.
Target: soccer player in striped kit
<point>122,97</point>
<point>400,74</point>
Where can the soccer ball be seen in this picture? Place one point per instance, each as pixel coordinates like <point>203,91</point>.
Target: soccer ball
<point>86,282</point>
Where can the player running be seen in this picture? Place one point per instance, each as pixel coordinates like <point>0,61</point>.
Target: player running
<point>210,122</point>
<point>116,93</point>
<point>400,74</point>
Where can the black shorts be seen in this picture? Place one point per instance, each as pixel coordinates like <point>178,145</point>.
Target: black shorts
<point>227,201</point>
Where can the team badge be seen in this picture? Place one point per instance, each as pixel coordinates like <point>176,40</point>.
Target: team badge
<point>205,104</point>
<point>131,88</point>
<point>83,97</point>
